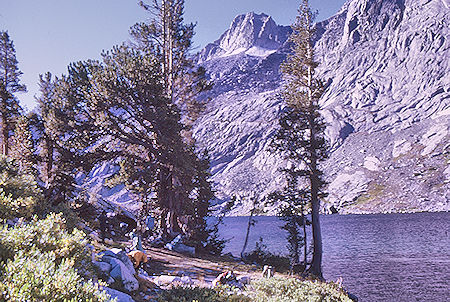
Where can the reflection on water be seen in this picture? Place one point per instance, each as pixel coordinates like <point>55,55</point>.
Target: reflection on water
<point>393,257</point>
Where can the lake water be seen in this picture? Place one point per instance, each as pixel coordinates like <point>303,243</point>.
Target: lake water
<point>382,257</point>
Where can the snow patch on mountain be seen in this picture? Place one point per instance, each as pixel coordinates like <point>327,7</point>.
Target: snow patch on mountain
<point>253,34</point>
<point>386,104</point>
<point>385,65</point>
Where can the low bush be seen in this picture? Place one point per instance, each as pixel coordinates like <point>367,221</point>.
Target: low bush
<point>260,255</point>
<point>36,276</point>
<point>41,261</point>
<point>20,195</point>
<point>263,290</point>
<point>292,290</point>
<point>44,235</point>
<point>190,294</point>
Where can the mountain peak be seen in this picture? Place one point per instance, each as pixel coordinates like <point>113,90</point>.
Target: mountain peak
<point>254,34</point>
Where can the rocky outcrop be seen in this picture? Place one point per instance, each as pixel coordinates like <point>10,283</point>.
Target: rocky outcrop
<point>387,107</point>
<point>118,295</point>
<point>253,34</point>
<point>116,268</point>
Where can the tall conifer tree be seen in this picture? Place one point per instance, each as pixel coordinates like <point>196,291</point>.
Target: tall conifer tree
<point>43,125</point>
<point>9,85</point>
<point>23,150</point>
<point>68,135</point>
<point>143,126</point>
<point>301,136</point>
<point>170,39</point>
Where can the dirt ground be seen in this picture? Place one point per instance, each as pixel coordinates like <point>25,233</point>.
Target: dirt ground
<point>202,270</point>
<point>199,268</point>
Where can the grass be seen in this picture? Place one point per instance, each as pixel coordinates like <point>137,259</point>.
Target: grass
<point>263,290</point>
<point>292,289</point>
<point>375,191</point>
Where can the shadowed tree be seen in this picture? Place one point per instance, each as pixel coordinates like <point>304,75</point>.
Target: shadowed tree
<point>138,120</point>
<point>23,150</point>
<point>293,204</point>
<point>43,124</point>
<point>301,137</point>
<point>168,38</point>
<point>69,139</point>
<point>9,85</point>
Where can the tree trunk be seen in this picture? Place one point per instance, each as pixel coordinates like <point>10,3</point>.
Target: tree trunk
<point>5,135</point>
<point>248,232</point>
<point>163,200</point>
<point>316,265</point>
<point>305,241</point>
<point>5,141</point>
<point>163,224</point>
<point>49,161</point>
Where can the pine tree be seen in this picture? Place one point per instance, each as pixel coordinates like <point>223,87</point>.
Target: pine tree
<point>202,194</point>
<point>9,85</point>
<point>292,202</point>
<point>23,150</point>
<point>301,137</point>
<point>43,124</point>
<point>68,135</point>
<point>170,39</point>
<point>131,109</point>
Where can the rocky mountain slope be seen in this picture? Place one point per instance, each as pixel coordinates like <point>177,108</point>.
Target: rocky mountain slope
<point>387,106</point>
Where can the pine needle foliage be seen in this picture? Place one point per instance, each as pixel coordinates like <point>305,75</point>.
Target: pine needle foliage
<point>167,37</point>
<point>20,195</point>
<point>9,85</point>
<point>301,136</point>
<point>24,151</point>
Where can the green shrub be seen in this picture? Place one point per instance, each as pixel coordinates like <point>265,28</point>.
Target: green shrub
<point>263,290</point>
<point>20,195</point>
<point>46,235</point>
<point>36,276</point>
<point>190,294</point>
<point>292,290</point>
<point>42,261</point>
<point>260,255</point>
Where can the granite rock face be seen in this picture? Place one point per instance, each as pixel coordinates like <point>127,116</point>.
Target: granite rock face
<point>386,66</point>
<point>253,34</point>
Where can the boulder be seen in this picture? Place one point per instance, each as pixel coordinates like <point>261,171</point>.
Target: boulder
<point>186,280</point>
<point>121,273</point>
<point>107,253</point>
<point>177,246</point>
<point>173,243</point>
<point>120,296</point>
<point>244,280</point>
<point>184,249</point>
<point>353,297</point>
<point>166,280</point>
<point>123,256</point>
<point>119,254</point>
<point>102,267</point>
<point>145,282</point>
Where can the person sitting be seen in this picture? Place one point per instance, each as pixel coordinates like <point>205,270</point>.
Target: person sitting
<point>136,241</point>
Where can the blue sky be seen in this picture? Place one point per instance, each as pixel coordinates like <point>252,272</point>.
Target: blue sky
<point>49,34</point>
